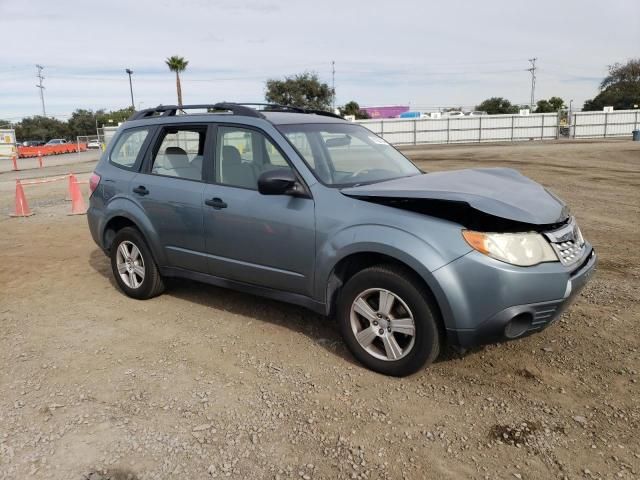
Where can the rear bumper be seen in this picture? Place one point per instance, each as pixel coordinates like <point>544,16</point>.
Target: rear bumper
<point>524,319</point>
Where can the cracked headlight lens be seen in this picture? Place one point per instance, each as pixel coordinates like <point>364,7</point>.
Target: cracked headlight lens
<point>522,249</point>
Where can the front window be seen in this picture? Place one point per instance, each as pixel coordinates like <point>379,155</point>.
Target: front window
<point>344,154</point>
<point>243,155</point>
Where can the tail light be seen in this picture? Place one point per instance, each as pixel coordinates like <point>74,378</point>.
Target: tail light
<point>94,181</point>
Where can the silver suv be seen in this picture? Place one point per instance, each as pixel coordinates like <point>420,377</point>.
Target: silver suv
<point>304,207</point>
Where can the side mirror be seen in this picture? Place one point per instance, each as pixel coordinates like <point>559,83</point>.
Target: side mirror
<point>278,182</point>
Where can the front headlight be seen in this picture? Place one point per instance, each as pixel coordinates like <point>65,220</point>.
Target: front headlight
<point>523,249</point>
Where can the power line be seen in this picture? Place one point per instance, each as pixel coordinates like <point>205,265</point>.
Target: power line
<point>533,80</point>
<point>41,87</point>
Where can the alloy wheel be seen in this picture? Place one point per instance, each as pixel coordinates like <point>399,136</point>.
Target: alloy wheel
<point>383,324</point>
<point>130,264</point>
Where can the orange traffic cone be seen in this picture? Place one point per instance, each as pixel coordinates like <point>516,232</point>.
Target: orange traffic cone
<point>40,158</point>
<point>77,203</point>
<point>72,180</point>
<point>22,207</point>
<point>14,159</point>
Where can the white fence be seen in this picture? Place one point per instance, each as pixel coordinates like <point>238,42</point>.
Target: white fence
<point>503,128</point>
<point>604,124</point>
<point>484,128</point>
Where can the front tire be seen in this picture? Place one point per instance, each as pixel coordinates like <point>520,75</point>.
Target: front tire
<point>388,321</point>
<point>133,266</point>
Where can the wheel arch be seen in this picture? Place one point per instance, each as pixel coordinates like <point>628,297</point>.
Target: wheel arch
<point>121,218</point>
<point>355,262</point>
<point>113,226</point>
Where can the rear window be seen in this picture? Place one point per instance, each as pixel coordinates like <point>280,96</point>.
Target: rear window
<point>127,147</point>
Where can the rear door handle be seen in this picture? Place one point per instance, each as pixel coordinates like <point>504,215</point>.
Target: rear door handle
<point>141,190</point>
<point>216,203</point>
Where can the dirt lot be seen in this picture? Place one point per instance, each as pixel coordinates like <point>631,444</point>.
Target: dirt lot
<point>207,383</point>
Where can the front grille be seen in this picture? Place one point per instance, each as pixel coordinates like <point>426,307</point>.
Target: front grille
<point>567,242</point>
<point>569,252</point>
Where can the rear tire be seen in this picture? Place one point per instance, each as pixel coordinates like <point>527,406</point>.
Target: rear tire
<point>133,266</point>
<point>388,321</point>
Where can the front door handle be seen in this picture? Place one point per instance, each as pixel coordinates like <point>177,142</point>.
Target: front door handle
<point>216,203</point>
<point>141,190</point>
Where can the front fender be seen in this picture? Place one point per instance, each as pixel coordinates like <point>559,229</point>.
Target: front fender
<point>124,207</point>
<point>401,245</point>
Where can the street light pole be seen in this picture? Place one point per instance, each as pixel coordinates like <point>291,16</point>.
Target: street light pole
<point>570,110</point>
<point>129,71</point>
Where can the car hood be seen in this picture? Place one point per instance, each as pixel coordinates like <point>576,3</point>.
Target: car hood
<point>502,192</point>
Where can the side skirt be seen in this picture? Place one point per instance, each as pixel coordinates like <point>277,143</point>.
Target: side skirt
<point>294,298</point>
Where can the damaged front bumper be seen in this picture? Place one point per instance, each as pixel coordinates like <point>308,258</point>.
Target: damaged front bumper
<point>491,301</point>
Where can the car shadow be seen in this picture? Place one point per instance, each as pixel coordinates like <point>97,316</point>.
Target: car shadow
<point>322,330</point>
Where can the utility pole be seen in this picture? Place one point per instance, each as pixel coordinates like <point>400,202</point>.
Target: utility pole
<point>533,80</point>
<point>333,84</point>
<point>129,71</point>
<point>41,87</point>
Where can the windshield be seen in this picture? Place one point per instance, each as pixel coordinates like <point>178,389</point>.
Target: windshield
<point>343,154</point>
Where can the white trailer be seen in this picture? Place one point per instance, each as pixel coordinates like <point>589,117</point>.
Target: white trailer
<point>7,143</point>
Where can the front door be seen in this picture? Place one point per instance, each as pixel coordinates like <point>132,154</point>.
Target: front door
<point>170,189</point>
<point>264,240</point>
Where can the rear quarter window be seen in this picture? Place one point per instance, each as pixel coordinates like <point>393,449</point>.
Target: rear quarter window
<point>127,148</point>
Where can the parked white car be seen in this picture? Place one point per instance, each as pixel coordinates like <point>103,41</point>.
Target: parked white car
<point>94,144</point>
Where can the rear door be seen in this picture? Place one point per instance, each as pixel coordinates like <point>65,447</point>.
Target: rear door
<point>125,157</point>
<point>265,240</point>
<point>170,189</point>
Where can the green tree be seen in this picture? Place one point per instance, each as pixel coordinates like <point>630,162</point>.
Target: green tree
<point>82,122</point>
<point>114,117</point>
<point>543,106</point>
<point>547,106</point>
<point>557,103</point>
<point>496,105</point>
<point>352,108</point>
<point>41,128</point>
<point>178,65</point>
<point>620,89</point>
<point>303,90</point>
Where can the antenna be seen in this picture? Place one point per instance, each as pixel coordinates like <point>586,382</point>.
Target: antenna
<point>533,80</point>
<point>333,84</point>
<point>41,87</point>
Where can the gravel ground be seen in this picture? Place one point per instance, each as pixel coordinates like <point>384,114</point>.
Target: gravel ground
<point>207,383</point>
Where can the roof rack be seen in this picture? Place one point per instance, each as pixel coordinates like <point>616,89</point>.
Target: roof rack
<point>171,110</point>
<point>276,107</point>
<point>235,108</point>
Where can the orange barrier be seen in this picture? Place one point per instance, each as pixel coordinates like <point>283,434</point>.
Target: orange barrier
<point>21,208</point>
<point>30,152</point>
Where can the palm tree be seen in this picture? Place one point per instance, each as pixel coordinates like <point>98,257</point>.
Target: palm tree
<point>177,64</point>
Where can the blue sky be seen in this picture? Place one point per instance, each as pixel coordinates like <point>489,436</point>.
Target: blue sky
<point>429,54</point>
